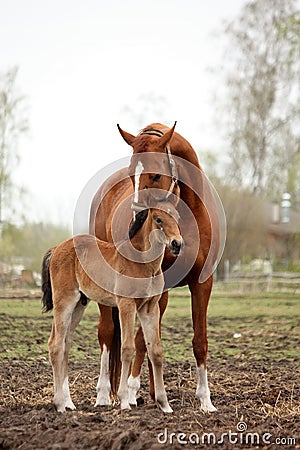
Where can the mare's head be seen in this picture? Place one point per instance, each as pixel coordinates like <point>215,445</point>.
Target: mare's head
<point>152,165</point>
<point>163,221</point>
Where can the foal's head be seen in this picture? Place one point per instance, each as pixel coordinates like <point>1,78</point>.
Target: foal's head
<point>166,221</point>
<point>160,224</point>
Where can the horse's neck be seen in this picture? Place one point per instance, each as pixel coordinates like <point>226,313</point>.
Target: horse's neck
<point>182,148</point>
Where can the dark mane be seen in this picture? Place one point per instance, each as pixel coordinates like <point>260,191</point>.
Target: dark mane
<point>138,223</point>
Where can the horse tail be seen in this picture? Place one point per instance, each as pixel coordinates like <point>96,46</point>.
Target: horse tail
<point>115,353</point>
<point>47,300</point>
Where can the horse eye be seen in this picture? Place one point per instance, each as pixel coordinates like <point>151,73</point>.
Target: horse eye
<point>156,178</point>
<point>158,220</point>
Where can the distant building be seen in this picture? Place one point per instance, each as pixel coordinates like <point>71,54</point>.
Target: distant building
<point>283,228</point>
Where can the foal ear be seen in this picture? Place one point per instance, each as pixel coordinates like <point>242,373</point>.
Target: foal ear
<point>165,139</point>
<point>129,138</point>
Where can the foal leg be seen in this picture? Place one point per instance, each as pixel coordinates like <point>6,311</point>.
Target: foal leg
<point>58,348</point>
<point>140,346</point>
<point>149,316</point>
<point>127,311</point>
<point>75,320</point>
<point>200,297</point>
<point>105,337</point>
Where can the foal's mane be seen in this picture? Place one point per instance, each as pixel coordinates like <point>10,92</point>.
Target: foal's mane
<point>138,222</point>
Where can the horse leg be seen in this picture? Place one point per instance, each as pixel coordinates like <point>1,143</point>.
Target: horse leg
<point>149,316</point>
<point>58,348</point>
<point>105,337</point>
<point>75,320</point>
<point>200,297</point>
<point>140,346</point>
<point>127,311</point>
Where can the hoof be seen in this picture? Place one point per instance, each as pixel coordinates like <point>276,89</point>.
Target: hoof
<point>60,409</point>
<point>166,408</point>
<point>208,407</point>
<point>140,401</point>
<point>102,402</point>
<point>60,404</point>
<point>125,406</point>
<point>70,405</point>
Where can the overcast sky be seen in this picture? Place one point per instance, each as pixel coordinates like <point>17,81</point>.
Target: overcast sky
<point>81,63</point>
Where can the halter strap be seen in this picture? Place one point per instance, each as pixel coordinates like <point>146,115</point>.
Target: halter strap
<point>174,174</point>
<point>153,132</point>
<point>136,206</point>
<point>173,169</point>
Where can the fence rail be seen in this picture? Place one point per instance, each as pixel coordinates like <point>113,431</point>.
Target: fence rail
<point>282,281</point>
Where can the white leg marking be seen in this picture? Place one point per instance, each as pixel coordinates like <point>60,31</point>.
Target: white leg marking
<point>59,400</point>
<point>68,401</point>
<point>103,385</point>
<point>123,391</point>
<point>134,385</point>
<point>203,392</point>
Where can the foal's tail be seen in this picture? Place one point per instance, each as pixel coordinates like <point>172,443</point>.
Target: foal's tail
<point>46,283</point>
<point>115,353</point>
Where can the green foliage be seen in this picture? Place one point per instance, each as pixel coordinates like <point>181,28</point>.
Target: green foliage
<point>29,242</point>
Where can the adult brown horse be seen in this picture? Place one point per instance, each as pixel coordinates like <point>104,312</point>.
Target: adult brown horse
<point>162,160</point>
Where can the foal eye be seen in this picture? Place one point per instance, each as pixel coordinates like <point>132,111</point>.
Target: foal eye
<point>158,220</point>
<point>156,178</point>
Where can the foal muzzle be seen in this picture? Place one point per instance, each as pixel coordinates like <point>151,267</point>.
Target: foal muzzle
<point>176,246</point>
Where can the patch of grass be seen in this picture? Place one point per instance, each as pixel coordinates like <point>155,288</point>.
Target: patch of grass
<point>253,325</point>
<point>256,326</point>
<point>25,331</point>
<point>233,305</point>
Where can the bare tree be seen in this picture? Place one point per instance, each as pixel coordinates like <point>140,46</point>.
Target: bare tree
<point>263,107</point>
<point>13,123</point>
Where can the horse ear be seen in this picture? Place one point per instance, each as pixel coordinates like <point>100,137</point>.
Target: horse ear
<point>129,138</point>
<point>165,139</point>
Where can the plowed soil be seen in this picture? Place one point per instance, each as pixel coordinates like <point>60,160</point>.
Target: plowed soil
<point>257,401</point>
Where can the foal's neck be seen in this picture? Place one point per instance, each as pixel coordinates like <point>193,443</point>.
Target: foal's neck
<point>148,243</point>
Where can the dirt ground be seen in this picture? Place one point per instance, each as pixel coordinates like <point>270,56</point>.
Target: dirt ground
<point>257,401</point>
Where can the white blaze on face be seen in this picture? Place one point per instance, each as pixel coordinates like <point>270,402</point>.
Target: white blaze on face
<point>137,174</point>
